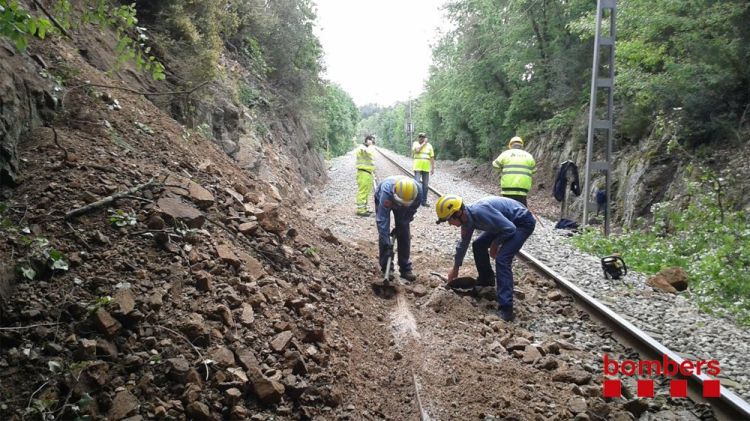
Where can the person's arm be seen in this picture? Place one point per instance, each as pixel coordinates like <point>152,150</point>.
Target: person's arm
<point>412,210</point>
<point>498,162</point>
<point>462,246</point>
<point>408,214</point>
<point>383,219</point>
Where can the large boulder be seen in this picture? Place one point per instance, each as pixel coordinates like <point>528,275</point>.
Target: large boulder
<point>669,280</point>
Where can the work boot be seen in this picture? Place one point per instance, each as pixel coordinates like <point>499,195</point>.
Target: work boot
<point>488,281</point>
<point>506,314</point>
<point>409,276</point>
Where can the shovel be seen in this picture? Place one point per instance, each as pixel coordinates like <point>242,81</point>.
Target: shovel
<point>463,285</point>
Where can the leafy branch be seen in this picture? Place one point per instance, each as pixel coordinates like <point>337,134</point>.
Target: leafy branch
<point>18,25</point>
<point>123,20</point>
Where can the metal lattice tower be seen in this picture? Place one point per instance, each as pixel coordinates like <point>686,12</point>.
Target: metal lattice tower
<point>601,124</point>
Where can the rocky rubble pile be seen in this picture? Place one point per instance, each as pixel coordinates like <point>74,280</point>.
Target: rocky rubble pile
<point>199,296</point>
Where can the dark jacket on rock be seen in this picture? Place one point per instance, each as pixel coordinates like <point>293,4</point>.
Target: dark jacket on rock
<point>560,183</point>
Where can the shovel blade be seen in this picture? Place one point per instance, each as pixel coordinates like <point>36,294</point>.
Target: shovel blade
<point>462,282</point>
<point>463,286</point>
<point>384,289</point>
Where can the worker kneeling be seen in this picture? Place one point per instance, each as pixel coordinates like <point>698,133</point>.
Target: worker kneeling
<point>402,196</point>
<point>505,223</point>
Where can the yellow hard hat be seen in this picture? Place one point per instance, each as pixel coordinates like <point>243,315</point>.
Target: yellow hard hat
<point>446,206</point>
<point>405,191</point>
<point>515,139</point>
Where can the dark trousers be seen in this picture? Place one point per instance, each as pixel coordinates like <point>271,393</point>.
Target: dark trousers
<point>403,241</point>
<point>424,178</point>
<point>503,259</point>
<point>518,198</point>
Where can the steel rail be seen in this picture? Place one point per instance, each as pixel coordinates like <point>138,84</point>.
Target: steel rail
<point>728,405</point>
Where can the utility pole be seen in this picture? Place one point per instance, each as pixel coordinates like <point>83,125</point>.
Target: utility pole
<point>409,126</point>
<point>603,125</point>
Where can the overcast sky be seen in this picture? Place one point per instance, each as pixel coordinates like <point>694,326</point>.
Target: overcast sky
<point>379,50</point>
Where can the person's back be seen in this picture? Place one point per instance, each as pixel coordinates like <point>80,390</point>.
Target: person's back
<point>516,168</point>
<point>485,212</point>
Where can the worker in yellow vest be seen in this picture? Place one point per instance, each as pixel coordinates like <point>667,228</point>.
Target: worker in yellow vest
<point>365,167</point>
<point>516,166</point>
<point>424,163</point>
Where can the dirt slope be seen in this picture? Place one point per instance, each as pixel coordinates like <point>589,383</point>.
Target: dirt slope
<point>201,296</point>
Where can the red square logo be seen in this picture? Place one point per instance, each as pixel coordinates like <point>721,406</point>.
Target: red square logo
<point>711,388</point>
<point>678,388</point>
<point>646,388</point>
<point>612,388</point>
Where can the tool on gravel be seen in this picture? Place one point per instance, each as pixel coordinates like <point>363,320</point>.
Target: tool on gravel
<point>614,267</point>
<point>387,289</point>
<point>463,285</point>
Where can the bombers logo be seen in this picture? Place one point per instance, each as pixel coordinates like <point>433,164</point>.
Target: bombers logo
<point>666,367</point>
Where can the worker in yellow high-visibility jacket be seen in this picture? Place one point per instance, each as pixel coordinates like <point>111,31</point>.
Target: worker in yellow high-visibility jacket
<point>516,166</point>
<point>424,163</point>
<point>365,168</point>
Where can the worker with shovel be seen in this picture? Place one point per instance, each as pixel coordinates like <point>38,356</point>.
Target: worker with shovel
<point>401,196</point>
<point>505,225</point>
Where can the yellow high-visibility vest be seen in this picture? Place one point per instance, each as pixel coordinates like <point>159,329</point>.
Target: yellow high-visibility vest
<point>365,158</point>
<point>422,157</point>
<point>516,168</point>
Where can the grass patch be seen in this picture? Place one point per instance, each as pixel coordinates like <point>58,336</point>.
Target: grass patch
<point>712,245</point>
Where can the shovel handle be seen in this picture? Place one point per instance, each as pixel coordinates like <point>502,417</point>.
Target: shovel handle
<point>389,264</point>
<point>440,275</point>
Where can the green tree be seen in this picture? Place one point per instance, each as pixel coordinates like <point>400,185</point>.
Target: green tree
<point>339,123</point>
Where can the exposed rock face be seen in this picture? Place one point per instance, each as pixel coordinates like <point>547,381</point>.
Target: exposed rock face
<point>644,173</point>
<point>271,144</point>
<point>26,105</point>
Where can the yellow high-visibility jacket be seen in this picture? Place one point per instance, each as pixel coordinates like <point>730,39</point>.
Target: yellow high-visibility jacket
<point>365,158</point>
<point>516,167</point>
<point>422,154</point>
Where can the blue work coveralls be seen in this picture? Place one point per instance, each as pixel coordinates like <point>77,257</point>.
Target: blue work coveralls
<point>503,221</point>
<point>384,205</point>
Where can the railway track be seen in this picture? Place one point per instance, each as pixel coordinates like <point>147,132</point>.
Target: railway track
<point>728,406</point>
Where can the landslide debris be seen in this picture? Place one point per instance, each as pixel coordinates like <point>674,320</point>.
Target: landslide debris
<point>200,295</point>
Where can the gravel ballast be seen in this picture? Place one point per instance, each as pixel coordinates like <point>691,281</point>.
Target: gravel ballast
<point>673,320</point>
